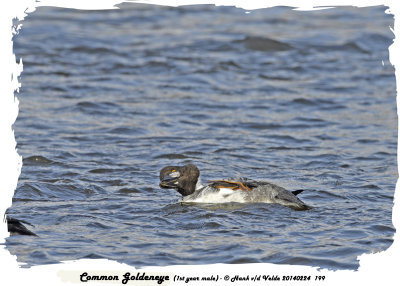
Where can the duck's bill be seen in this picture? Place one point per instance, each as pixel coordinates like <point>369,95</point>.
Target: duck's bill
<point>168,182</point>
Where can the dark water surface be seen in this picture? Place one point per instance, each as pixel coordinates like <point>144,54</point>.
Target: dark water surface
<point>306,100</point>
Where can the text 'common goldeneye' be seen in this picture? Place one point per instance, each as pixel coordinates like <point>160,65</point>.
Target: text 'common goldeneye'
<point>185,180</point>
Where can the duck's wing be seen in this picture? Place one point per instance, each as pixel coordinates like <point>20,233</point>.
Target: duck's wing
<point>234,185</point>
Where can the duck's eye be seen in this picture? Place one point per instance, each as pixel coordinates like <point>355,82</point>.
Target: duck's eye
<point>175,174</point>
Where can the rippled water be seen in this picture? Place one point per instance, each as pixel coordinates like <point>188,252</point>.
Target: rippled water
<point>302,99</point>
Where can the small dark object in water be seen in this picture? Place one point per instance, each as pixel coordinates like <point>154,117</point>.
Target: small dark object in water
<point>15,227</point>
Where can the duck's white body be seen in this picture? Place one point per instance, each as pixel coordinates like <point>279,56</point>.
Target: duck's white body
<point>263,193</point>
<point>210,195</point>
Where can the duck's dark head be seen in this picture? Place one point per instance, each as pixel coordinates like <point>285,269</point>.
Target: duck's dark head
<point>183,179</point>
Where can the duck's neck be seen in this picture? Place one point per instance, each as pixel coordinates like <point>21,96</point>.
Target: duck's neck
<point>188,189</point>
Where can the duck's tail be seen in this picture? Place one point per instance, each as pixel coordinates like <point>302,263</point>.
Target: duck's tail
<point>297,192</point>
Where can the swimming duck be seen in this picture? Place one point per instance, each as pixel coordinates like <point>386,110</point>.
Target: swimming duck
<point>185,179</point>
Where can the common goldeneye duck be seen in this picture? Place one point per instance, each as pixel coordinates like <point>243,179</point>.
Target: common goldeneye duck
<point>185,179</point>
